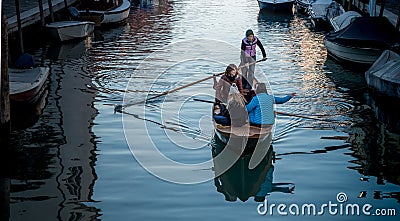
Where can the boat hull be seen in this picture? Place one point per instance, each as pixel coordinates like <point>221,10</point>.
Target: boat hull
<point>70,30</point>
<point>26,85</point>
<point>95,17</point>
<point>363,56</point>
<point>275,5</point>
<point>249,136</point>
<point>303,5</point>
<point>113,16</point>
<point>384,74</point>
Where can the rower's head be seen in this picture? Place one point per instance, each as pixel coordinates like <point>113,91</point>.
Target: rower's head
<point>250,35</point>
<point>231,71</point>
<point>261,88</point>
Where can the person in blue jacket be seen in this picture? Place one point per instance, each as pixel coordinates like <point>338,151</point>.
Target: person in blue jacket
<point>261,106</point>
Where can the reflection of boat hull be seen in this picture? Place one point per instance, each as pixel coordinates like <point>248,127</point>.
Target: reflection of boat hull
<point>26,85</point>
<point>26,115</point>
<point>70,30</point>
<point>277,16</point>
<point>71,50</point>
<point>275,4</point>
<point>239,181</point>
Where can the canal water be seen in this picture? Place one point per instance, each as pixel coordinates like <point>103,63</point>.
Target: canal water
<point>79,160</point>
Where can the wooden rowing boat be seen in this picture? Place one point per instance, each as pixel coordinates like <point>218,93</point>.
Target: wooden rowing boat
<point>26,85</point>
<point>252,133</point>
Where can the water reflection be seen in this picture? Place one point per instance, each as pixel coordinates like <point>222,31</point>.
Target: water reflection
<point>55,174</point>
<point>241,182</point>
<point>26,115</point>
<point>374,134</point>
<point>375,140</point>
<point>274,16</point>
<point>68,51</point>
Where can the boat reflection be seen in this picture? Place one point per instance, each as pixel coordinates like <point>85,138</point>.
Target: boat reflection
<point>53,170</point>
<point>68,51</point>
<point>374,133</point>
<point>274,16</point>
<point>241,182</point>
<point>26,115</point>
<point>375,139</point>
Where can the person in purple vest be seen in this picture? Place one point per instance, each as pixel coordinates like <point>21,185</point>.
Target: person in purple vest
<point>248,55</point>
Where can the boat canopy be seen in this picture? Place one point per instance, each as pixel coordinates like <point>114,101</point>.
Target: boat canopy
<point>385,68</point>
<point>344,20</point>
<point>367,32</point>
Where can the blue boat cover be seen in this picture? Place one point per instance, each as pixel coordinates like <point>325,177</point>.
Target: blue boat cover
<point>25,61</point>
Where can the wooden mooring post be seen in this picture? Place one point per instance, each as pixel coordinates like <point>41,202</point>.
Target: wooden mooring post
<point>4,198</point>
<point>51,10</point>
<point>398,20</point>
<point>21,39</point>
<point>41,11</point>
<point>349,5</point>
<point>5,125</point>
<point>382,8</point>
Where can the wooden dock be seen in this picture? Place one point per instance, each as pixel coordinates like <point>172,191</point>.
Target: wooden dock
<point>388,14</point>
<point>32,16</point>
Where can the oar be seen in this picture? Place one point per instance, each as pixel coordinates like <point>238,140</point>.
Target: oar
<point>205,101</point>
<point>305,117</point>
<point>278,112</point>
<point>118,108</point>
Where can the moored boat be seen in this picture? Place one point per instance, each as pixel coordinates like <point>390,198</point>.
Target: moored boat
<point>362,41</point>
<point>343,20</point>
<point>93,16</point>
<point>26,85</point>
<point>115,11</point>
<point>302,5</point>
<point>70,30</point>
<point>384,74</point>
<point>275,4</point>
<point>321,11</point>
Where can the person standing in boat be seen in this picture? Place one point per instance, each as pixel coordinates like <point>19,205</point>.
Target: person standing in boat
<point>248,55</point>
<point>261,107</point>
<point>224,84</point>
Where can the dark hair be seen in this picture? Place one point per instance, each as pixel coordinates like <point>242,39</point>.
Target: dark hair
<point>261,88</point>
<point>249,32</point>
<point>230,68</point>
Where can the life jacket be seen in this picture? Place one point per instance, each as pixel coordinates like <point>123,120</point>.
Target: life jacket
<point>250,47</point>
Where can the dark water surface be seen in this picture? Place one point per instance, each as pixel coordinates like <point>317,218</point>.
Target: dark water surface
<point>75,162</point>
